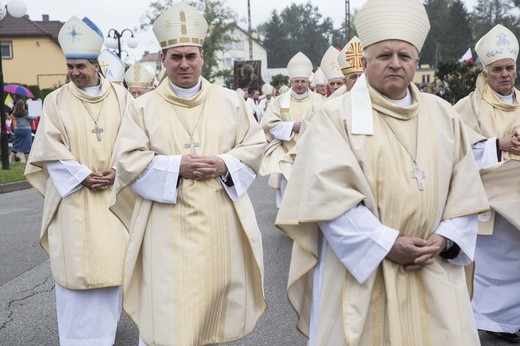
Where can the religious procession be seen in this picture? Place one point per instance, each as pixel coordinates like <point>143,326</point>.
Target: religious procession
<point>398,209</point>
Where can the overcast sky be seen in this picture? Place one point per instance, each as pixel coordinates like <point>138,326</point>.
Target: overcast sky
<point>122,14</point>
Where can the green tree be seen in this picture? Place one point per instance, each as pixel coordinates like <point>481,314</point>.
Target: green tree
<point>461,78</point>
<point>273,42</point>
<point>279,79</point>
<point>450,33</point>
<point>221,23</point>
<point>489,13</point>
<point>297,28</point>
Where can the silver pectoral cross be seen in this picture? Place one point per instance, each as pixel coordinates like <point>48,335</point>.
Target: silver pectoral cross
<point>97,130</point>
<point>192,145</point>
<point>418,175</point>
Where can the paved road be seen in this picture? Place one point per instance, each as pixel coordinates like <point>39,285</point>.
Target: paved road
<point>27,303</point>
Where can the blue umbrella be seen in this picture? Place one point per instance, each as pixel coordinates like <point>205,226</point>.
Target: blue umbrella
<point>18,89</point>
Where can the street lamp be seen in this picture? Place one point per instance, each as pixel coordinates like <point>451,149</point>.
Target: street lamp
<point>17,9</point>
<point>114,42</point>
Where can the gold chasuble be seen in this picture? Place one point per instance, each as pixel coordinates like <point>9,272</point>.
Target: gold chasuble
<point>194,269</point>
<point>277,113</point>
<point>85,241</point>
<point>396,307</point>
<point>489,117</point>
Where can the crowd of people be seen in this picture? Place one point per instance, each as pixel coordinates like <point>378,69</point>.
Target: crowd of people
<point>402,207</point>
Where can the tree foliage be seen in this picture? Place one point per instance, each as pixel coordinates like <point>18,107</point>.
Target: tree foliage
<point>298,28</point>
<point>221,23</point>
<point>279,79</point>
<point>461,78</point>
<point>450,31</point>
<point>489,13</point>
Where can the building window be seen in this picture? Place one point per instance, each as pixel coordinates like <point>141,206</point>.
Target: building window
<point>6,50</point>
<point>238,45</point>
<point>227,62</point>
<point>426,78</point>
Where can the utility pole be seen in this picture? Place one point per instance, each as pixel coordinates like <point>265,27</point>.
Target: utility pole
<point>347,19</point>
<point>249,32</point>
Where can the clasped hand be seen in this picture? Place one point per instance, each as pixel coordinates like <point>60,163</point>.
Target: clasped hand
<point>510,142</point>
<point>202,167</point>
<point>99,181</point>
<point>414,253</point>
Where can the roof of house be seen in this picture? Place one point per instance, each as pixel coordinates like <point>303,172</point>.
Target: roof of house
<point>253,37</point>
<point>25,27</point>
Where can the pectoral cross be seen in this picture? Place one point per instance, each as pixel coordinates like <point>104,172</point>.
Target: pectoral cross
<point>192,145</point>
<point>418,175</point>
<point>97,130</point>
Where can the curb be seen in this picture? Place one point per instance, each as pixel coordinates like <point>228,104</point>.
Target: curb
<point>19,185</point>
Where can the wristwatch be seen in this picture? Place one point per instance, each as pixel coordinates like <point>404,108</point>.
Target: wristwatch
<point>449,244</point>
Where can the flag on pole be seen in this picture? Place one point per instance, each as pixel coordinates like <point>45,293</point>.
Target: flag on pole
<point>8,100</point>
<point>467,58</point>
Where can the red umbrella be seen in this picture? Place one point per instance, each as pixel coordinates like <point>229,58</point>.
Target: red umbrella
<point>18,89</point>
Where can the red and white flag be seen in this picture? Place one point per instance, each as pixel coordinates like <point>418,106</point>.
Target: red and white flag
<point>467,58</point>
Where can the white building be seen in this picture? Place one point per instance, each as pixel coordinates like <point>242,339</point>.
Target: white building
<point>238,50</point>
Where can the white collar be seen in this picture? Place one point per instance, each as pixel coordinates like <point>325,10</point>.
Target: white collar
<point>405,101</point>
<point>93,91</point>
<point>299,96</point>
<point>508,99</point>
<point>184,93</point>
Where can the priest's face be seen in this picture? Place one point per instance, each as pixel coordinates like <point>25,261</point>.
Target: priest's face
<point>183,65</point>
<point>351,78</point>
<point>501,76</point>
<point>300,85</point>
<point>389,67</point>
<point>321,89</point>
<point>335,83</point>
<point>138,91</point>
<point>83,73</point>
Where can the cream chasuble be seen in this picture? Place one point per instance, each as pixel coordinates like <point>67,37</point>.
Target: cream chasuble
<point>489,117</point>
<point>276,114</point>
<point>194,269</point>
<point>85,241</point>
<point>330,176</point>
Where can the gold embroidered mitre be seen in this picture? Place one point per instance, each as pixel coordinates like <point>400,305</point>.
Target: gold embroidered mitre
<point>180,25</point>
<point>349,59</point>
<point>140,74</point>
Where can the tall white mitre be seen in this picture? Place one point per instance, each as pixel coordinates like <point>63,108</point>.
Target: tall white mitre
<point>267,89</point>
<point>380,20</point>
<point>499,43</point>
<point>329,64</point>
<point>349,59</point>
<point>140,74</point>
<point>180,25</point>
<point>112,66</point>
<point>300,66</point>
<point>319,77</point>
<point>80,39</point>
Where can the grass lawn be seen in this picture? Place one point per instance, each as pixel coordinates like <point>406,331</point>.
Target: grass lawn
<point>14,173</point>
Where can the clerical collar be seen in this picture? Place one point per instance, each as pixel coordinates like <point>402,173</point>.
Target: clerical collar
<point>93,91</point>
<point>405,101</point>
<point>508,99</point>
<point>299,96</point>
<point>186,93</point>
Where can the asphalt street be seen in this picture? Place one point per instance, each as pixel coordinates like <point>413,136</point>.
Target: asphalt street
<point>27,298</point>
